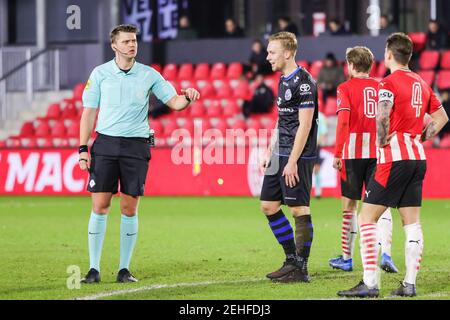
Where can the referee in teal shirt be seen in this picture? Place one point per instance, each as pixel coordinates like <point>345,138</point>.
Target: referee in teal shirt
<point>120,89</point>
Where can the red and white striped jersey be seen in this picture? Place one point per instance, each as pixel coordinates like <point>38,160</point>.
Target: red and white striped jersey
<point>411,98</point>
<point>359,96</point>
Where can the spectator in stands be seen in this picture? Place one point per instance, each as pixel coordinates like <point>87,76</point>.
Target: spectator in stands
<point>445,98</point>
<point>437,38</point>
<point>258,61</point>
<point>262,100</point>
<point>285,24</point>
<point>386,27</point>
<point>232,30</point>
<point>185,31</point>
<point>330,76</point>
<point>335,28</point>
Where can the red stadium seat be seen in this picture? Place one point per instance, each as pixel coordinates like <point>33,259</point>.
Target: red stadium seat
<point>224,91</point>
<point>69,112</point>
<point>176,85</point>
<point>443,80</point>
<point>231,109</point>
<point>428,143</point>
<point>156,126</point>
<point>445,60</point>
<point>373,72</point>
<point>235,70</point>
<point>2,144</point>
<point>53,111</point>
<point>214,110</point>
<point>315,68</point>
<point>208,91</point>
<point>29,143</point>
<point>429,60</point>
<point>58,130</point>
<point>13,143</point>
<point>427,76</point>
<point>186,71</point>
<point>238,124</point>
<point>42,129</point>
<point>170,71</point>
<point>445,142</point>
<point>268,123</point>
<point>304,64</point>
<point>156,66</point>
<point>242,90</point>
<point>345,67</point>
<point>78,91</point>
<point>188,125</point>
<point>197,109</point>
<point>330,106</point>
<point>419,40</point>
<point>254,124</point>
<point>169,126</point>
<point>219,124</point>
<point>45,142</point>
<point>27,130</point>
<point>218,71</point>
<point>201,71</point>
<point>61,142</point>
<point>73,129</point>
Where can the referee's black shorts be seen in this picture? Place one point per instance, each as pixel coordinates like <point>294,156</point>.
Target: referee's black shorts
<point>355,174</point>
<point>274,185</point>
<point>397,184</point>
<point>119,159</point>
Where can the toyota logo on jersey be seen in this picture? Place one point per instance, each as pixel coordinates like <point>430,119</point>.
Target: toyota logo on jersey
<point>305,87</point>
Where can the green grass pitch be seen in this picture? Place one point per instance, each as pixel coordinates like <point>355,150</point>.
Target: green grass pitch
<point>194,248</point>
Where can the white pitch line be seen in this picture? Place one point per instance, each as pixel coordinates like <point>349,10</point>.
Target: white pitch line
<point>208,283</point>
<point>163,286</point>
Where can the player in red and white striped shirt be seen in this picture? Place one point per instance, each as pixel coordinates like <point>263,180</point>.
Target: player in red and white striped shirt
<point>356,154</point>
<point>403,100</point>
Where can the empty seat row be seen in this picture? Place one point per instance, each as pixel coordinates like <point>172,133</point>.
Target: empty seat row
<point>202,71</point>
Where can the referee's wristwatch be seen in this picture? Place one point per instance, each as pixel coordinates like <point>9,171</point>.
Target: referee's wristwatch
<point>187,98</point>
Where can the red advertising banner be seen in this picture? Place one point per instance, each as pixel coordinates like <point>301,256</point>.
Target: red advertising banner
<point>220,173</point>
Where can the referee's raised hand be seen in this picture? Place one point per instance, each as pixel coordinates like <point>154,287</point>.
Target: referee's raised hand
<point>191,94</point>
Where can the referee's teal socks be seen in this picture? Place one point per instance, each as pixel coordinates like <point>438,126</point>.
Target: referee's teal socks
<point>128,236</point>
<point>96,234</point>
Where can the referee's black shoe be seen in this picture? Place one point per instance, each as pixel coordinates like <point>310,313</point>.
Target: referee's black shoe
<point>93,276</point>
<point>125,275</point>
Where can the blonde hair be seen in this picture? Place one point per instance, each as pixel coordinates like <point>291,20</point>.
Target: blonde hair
<point>287,39</point>
<point>361,58</point>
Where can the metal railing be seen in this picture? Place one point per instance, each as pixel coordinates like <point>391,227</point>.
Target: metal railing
<point>27,70</point>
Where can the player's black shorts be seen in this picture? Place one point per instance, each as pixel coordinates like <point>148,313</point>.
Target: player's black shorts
<point>275,189</point>
<point>397,184</point>
<point>319,159</point>
<point>355,174</point>
<point>115,159</point>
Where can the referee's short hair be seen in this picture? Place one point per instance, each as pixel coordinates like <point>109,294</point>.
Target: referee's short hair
<point>287,39</point>
<point>129,28</point>
<point>361,58</point>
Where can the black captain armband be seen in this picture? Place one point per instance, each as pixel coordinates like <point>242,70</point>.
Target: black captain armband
<point>83,148</point>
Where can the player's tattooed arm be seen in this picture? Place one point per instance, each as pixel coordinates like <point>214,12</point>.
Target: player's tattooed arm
<point>383,113</point>
<point>429,131</point>
<point>439,119</point>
